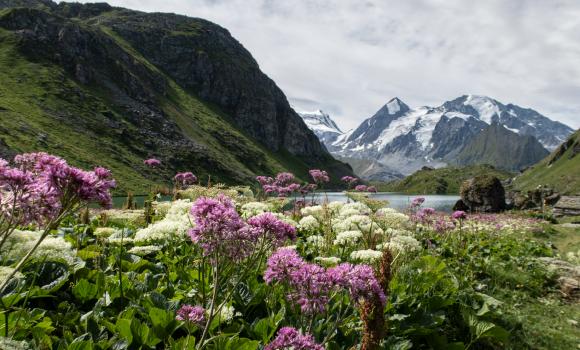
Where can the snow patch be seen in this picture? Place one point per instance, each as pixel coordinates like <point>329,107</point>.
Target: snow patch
<point>485,107</point>
<point>393,106</point>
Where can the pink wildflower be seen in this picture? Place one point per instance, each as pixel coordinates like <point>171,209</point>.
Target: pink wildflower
<point>193,314</point>
<point>290,338</point>
<point>319,176</point>
<point>152,162</point>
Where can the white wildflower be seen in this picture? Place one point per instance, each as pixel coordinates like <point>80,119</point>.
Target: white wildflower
<point>367,255</point>
<point>161,208</point>
<point>179,209</point>
<point>392,219</point>
<point>309,223</point>
<point>173,227</point>
<point>254,208</point>
<point>401,244</point>
<point>144,250</point>
<point>316,210</point>
<point>118,240</point>
<point>104,232</point>
<point>122,217</point>
<point>347,238</point>
<point>10,344</point>
<point>385,211</point>
<point>52,248</point>
<point>359,207</point>
<point>315,241</point>
<point>227,313</point>
<point>5,271</point>
<point>327,261</point>
<point>335,207</point>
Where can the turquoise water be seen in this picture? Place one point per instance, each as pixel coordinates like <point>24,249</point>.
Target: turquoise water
<point>396,200</point>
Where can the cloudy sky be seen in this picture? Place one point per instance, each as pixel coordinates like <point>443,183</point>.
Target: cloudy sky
<point>349,57</point>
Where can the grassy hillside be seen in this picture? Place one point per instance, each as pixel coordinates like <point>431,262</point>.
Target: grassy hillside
<point>77,89</point>
<point>441,181</point>
<point>503,149</point>
<point>560,170</point>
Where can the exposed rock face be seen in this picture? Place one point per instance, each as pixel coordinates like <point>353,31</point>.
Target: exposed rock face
<point>503,148</point>
<point>179,88</point>
<point>536,199</point>
<point>205,58</point>
<point>483,194</point>
<point>567,206</point>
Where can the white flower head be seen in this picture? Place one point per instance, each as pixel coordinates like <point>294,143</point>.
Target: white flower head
<point>315,241</point>
<point>254,208</point>
<point>317,211</point>
<point>144,250</point>
<point>367,255</point>
<point>309,223</point>
<point>327,261</point>
<point>346,238</point>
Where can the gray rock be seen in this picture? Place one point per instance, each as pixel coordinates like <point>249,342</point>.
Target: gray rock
<point>483,194</point>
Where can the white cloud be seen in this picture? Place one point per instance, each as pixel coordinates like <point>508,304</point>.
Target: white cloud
<point>351,56</point>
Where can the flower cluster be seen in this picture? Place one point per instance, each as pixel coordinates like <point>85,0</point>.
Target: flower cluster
<point>283,184</point>
<point>349,180</point>
<point>366,255</point>
<point>152,162</point>
<point>310,285</point>
<point>173,226</point>
<point>40,185</point>
<point>254,208</point>
<point>52,248</point>
<point>193,314</point>
<point>290,338</point>
<point>417,202</point>
<point>459,215</point>
<point>319,176</point>
<point>391,218</point>
<point>183,180</point>
<point>309,223</point>
<point>359,280</point>
<point>268,227</point>
<point>361,188</point>
<point>219,227</point>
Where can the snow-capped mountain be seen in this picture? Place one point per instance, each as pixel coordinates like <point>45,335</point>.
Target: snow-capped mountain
<point>322,125</point>
<point>406,139</point>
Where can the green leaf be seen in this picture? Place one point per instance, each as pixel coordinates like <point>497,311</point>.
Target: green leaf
<point>81,345</point>
<point>124,328</point>
<point>242,344</point>
<point>85,291</point>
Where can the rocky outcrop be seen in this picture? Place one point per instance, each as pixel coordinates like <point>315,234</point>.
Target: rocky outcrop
<point>483,194</point>
<point>536,199</point>
<point>204,58</point>
<point>567,206</point>
<point>568,275</point>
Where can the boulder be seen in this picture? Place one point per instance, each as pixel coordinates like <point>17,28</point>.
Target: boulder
<point>483,194</point>
<point>567,206</point>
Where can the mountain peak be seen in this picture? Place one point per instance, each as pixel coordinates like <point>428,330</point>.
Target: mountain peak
<point>395,105</point>
<point>321,124</point>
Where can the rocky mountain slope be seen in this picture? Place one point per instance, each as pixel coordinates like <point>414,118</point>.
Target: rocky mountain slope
<point>503,148</point>
<point>405,139</point>
<point>106,85</point>
<point>560,170</point>
<point>322,125</point>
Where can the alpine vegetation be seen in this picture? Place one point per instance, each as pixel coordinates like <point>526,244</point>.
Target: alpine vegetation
<point>222,267</point>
